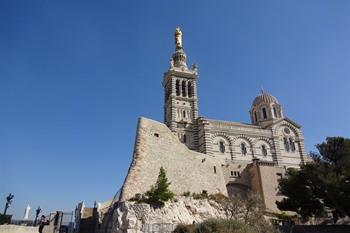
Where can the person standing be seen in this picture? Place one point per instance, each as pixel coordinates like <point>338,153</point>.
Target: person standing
<point>43,222</point>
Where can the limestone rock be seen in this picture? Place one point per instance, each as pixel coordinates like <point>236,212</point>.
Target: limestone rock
<point>131,217</point>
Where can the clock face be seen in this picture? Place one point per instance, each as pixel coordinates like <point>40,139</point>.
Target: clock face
<point>286,130</point>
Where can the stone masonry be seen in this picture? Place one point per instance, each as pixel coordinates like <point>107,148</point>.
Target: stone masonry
<point>187,170</point>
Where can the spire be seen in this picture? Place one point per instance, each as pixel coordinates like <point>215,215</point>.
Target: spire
<point>179,57</point>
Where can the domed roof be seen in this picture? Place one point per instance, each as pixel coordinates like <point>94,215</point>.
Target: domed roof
<point>265,98</point>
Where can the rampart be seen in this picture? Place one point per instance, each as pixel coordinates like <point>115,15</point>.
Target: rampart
<point>187,170</point>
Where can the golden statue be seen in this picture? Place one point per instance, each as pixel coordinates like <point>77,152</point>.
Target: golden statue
<point>178,38</point>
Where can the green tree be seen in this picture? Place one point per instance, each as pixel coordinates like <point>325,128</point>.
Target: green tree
<point>160,193</point>
<point>320,186</point>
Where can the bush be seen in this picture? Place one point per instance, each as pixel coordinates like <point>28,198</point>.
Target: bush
<point>219,198</point>
<point>217,226</point>
<point>5,219</point>
<point>184,228</point>
<point>186,194</point>
<point>220,226</point>
<point>203,195</point>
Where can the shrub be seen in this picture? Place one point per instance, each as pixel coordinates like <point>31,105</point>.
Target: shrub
<point>186,194</point>
<point>203,195</point>
<point>181,228</point>
<point>216,226</point>
<point>219,198</point>
<point>5,219</point>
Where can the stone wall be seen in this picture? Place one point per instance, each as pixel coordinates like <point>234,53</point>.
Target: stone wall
<point>187,170</point>
<point>264,181</point>
<point>17,229</point>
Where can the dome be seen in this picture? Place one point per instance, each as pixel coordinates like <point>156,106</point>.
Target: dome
<point>264,98</point>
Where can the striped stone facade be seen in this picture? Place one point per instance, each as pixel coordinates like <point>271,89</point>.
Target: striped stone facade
<point>270,137</point>
<point>215,156</point>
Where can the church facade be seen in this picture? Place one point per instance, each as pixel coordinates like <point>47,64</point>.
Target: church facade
<point>211,155</point>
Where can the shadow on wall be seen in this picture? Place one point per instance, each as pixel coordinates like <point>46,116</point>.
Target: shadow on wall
<point>239,184</point>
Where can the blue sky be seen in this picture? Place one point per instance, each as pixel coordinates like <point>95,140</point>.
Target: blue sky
<point>76,75</point>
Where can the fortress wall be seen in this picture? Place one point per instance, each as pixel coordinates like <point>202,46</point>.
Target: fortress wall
<point>269,185</point>
<point>264,181</point>
<point>187,170</point>
<point>243,178</point>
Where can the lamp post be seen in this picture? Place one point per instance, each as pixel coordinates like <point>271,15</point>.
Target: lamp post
<point>37,215</point>
<point>8,202</point>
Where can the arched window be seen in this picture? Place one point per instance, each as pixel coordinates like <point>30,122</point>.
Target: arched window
<point>286,144</point>
<point>177,87</point>
<point>184,89</point>
<point>222,147</point>
<point>243,149</point>
<point>264,113</point>
<point>184,114</point>
<point>256,116</point>
<point>189,91</point>
<point>263,150</point>
<point>185,138</point>
<point>274,112</point>
<point>292,144</point>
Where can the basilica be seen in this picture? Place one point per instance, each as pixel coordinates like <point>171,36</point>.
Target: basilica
<point>210,155</point>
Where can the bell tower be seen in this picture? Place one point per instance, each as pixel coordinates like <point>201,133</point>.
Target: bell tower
<point>180,95</point>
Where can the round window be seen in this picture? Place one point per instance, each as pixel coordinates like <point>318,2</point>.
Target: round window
<point>286,130</point>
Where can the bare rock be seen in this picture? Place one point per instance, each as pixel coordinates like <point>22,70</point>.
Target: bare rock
<point>131,217</point>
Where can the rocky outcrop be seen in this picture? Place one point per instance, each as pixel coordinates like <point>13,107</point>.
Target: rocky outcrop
<point>131,217</point>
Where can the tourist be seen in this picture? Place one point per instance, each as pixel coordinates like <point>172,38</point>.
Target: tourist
<point>43,222</point>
